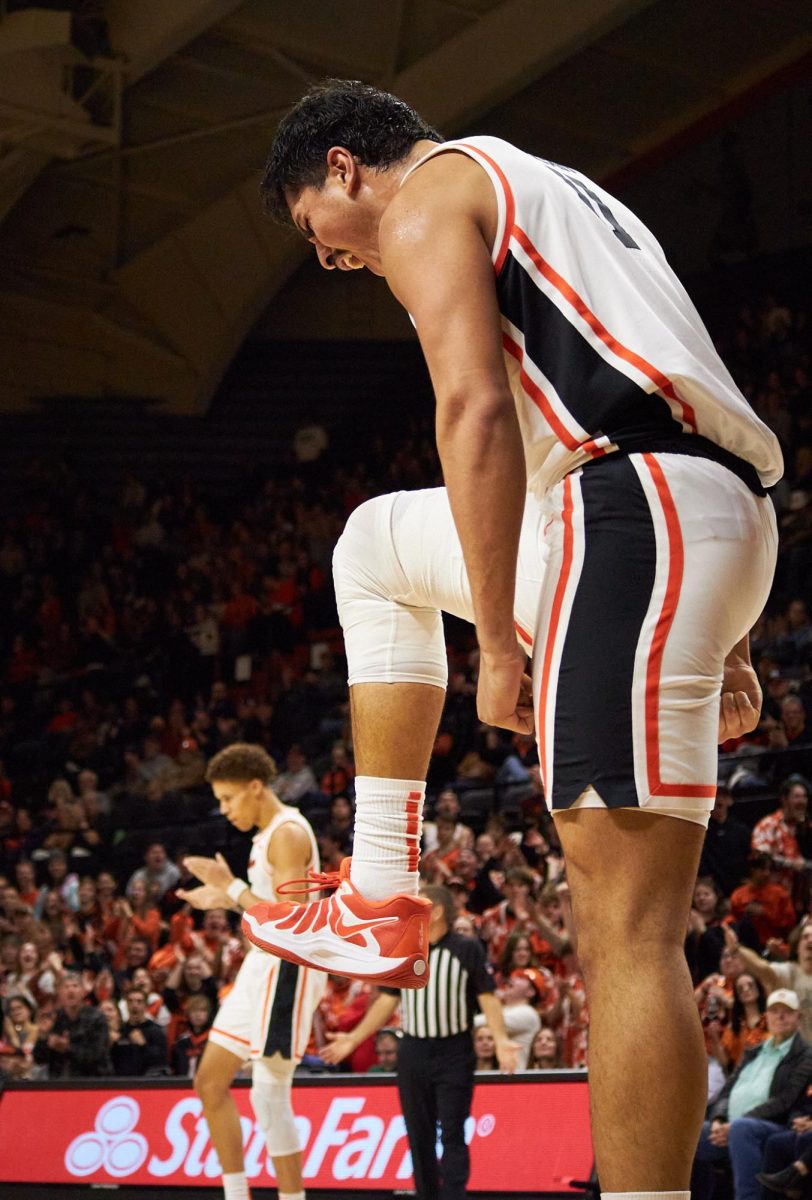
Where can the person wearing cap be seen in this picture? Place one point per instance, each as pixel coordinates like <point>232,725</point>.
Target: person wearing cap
<point>520,994</point>
<point>727,844</point>
<point>756,1102</point>
<point>796,975</point>
<point>784,834</point>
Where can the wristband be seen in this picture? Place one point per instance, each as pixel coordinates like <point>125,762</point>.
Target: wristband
<point>235,889</point>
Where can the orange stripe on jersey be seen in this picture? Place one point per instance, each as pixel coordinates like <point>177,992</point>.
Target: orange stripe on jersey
<point>538,397</point>
<point>523,634</point>
<point>510,204</point>
<point>233,1036</point>
<point>676,563</point>
<point>571,296</point>
<point>552,629</point>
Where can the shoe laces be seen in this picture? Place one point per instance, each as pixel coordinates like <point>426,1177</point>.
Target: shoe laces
<point>316,881</point>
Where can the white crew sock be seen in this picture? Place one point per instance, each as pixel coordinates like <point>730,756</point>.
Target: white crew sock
<point>235,1186</point>
<point>388,826</point>
<point>645,1195</point>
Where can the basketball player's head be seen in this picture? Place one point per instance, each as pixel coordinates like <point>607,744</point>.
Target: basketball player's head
<point>329,165</point>
<point>241,777</point>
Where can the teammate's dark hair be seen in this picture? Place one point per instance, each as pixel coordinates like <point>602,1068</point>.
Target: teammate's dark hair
<point>438,894</point>
<point>376,127</point>
<point>241,763</point>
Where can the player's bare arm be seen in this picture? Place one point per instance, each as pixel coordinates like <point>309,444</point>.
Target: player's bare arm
<point>435,242</point>
<point>288,854</point>
<point>341,1045</point>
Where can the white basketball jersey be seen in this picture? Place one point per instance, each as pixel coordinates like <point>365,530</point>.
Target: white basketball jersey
<point>260,872</point>
<point>603,346</point>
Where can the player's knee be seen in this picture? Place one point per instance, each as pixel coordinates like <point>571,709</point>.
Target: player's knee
<point>270,1098</point>
<point>209,1086</point>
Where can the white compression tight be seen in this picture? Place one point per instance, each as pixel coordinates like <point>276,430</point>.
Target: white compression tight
<point>271,1080</point>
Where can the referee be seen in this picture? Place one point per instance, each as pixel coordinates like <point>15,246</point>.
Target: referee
<point>436,1055</point>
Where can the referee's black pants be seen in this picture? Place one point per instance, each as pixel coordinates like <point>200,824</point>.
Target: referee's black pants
<point>436,1083</point>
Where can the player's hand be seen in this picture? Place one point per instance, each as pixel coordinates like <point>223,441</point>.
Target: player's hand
<point>214,871</point>
<point>507,1055</point>
<point>505,693</point>
<point>740,703</point>
<point>204,897</point>
<point>339,1046</point>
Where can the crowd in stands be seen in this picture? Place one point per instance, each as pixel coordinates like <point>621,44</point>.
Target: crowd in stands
<point>148,630</point>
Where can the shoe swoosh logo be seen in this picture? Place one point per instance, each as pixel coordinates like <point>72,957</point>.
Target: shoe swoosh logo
<point>344,930</point>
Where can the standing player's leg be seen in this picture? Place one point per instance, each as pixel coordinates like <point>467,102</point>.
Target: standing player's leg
<point>213,1080</point>
<point>635,621</point>
<point>631,877</point>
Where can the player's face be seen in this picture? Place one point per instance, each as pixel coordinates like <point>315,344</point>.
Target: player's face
<point>238,801</point>
<point>338,226</point>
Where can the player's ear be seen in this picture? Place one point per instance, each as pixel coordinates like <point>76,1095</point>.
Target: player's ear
<point>341,164</point>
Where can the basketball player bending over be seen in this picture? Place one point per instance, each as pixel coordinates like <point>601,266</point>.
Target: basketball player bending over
<point>268,1013</point>
<point>567,361</point>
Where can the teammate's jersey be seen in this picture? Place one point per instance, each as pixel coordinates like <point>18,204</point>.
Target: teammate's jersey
<point>260,872</point>
<point>603,346</point>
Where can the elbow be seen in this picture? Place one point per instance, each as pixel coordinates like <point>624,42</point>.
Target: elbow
<point>468,411</point>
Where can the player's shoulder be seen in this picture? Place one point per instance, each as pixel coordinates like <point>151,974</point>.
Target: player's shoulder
<point>447,183</point>
<point>289,828</point>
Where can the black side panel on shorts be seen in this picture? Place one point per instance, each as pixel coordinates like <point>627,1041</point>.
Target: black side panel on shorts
<point>280,1022</point>
<point>593,721</point>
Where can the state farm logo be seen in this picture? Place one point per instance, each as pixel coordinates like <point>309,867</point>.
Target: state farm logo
<point>347,1141</point>
<point>113,1146</point>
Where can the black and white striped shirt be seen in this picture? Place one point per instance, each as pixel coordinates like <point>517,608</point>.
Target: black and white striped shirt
<point>446,1006</point>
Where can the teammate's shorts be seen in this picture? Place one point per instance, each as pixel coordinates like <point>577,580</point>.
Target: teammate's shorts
<point>635,577</point>
<point>270,1008</point>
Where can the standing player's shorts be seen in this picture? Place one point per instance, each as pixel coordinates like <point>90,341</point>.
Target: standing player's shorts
<point>269,1009</point>
<point>636,576</point>
<point>656,566</point>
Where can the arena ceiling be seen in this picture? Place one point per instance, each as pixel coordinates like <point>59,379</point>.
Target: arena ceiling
<point>134,258</point>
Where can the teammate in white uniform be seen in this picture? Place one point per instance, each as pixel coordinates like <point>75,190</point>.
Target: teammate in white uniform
<point>268,1014</point>
<point>565,358</point>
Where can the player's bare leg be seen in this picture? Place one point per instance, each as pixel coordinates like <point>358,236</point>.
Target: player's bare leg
<point>631,876</point>
<point>213,1080</point>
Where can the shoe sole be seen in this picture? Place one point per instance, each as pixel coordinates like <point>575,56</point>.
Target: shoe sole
<point>411,972</point>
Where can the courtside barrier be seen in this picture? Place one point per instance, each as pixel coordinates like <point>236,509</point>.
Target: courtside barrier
<point>528,1133</point>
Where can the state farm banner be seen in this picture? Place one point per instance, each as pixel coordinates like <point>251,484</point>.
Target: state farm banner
<point>352,1133</point>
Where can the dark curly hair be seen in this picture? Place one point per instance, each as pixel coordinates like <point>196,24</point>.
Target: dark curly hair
<point>375,126</point>
<point>240,763</point>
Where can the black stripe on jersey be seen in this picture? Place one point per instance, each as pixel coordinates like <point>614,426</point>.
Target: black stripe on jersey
<point>601,398</point>
<point>280,1022</point>
<point>592,200</point>
<point>592,737</point>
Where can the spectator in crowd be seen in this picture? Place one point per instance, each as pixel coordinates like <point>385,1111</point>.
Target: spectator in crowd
<point>795,975</point>
<point>727,844</point>
<point>747,1024</point>
<point>484,1046</point>
<point>59,882</point>
<point>73,1042</point>
<point>158,873</point>
<point>784,834</point>
<point>297,779</point>
<point>761,909</point>
<point>522,1021</point>
<point>786,1168</point>
<point>387,1042</point>
<point>756,1102</point>
<point>546,1052</point>
<point>188,1049</point>
<point>140,1048</point>
<point>705,938</point>
<point>33,978</point>
<point>20,1035</point>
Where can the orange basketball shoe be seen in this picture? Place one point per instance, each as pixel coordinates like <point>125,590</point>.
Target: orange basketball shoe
<point>380,941</point>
